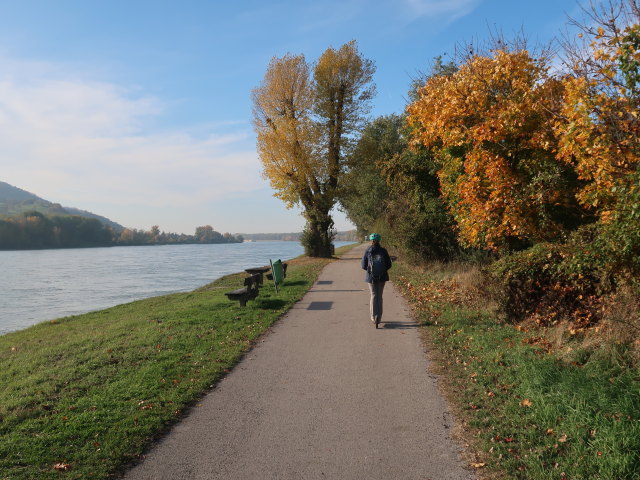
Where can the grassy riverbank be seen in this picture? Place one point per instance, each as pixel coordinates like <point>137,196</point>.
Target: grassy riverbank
<point>532,408</point>
<point>83,396</point>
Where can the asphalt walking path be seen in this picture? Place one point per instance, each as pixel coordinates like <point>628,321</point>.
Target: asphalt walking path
<point>323,395</point>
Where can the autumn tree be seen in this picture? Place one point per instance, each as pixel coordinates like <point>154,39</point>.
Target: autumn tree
<point>599,128</point>
<point>305,118</point>
<point>488,126</point>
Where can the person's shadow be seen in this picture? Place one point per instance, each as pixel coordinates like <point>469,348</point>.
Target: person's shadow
<point>399,325</point>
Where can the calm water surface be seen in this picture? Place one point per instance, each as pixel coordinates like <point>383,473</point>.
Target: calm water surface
<point>40,285</point>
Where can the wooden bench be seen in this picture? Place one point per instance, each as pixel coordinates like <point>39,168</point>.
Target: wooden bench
<point>284,269</point>
<point>258,270</point>
<point>248,292</point>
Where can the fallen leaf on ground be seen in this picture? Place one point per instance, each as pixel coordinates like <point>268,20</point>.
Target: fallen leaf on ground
<point>526,402</point>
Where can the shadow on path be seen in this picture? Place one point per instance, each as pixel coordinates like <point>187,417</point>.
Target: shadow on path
<point>320,306</point>
<point>399,325</point>
<point>319,291</point>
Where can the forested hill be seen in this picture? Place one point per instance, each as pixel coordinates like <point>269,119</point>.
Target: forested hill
<point>15,201</point>
<point>30,222</point>
<point>9,192</point>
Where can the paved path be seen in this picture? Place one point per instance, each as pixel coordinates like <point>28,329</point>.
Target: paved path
<point>324,395</point>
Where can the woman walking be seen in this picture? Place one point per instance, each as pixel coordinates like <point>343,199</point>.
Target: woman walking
<point>376,262</point>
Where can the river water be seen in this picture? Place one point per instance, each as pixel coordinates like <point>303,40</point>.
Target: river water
<point>40,285</point>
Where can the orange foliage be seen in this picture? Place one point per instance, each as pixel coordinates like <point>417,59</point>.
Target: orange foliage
<point>599,130</point>
<point>488,125</point>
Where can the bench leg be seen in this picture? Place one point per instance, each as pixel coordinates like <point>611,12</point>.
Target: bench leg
<point>243,301</point>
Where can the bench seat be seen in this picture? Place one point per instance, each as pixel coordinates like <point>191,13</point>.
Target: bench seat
<point>248,292</point>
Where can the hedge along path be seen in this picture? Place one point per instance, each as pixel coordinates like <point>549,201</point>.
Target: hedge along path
<point>325,395</point>
<point>83,396</point>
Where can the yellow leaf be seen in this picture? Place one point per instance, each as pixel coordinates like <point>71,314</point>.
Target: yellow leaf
<point>62,467</point>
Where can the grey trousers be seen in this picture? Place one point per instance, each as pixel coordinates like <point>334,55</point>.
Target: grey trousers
<point>375,306</point>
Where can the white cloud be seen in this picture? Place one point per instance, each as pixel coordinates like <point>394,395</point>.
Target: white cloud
<point>77,140</point>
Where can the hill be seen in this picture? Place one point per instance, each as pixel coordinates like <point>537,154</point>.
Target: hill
<point>14,201</point>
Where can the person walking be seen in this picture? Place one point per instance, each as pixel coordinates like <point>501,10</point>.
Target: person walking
<point>376,262</point>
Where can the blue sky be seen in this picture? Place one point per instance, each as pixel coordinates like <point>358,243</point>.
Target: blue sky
<point>140,110</point>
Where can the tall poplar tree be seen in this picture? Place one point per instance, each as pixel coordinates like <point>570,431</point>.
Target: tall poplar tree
<point>305,125</point>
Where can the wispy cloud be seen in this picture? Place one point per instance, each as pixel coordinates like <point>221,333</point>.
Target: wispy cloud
<point>74,139</point>
<point>446,11</point>
<point>329,15</point>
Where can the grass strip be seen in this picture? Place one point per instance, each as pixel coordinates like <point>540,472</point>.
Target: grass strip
<point>529,413</point>
<point>84,396</point>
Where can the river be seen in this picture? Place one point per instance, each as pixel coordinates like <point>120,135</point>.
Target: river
<point>40,285</point>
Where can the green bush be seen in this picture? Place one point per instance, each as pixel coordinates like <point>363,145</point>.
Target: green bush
<point>619,239</point>
<point>421,228</point>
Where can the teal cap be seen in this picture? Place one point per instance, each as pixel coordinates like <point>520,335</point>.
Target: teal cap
<point>375,236</point>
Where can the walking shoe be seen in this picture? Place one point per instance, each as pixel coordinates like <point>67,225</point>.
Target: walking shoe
<point>377,322</point>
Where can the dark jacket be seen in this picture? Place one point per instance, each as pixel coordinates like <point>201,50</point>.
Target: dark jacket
<point>375,249</point>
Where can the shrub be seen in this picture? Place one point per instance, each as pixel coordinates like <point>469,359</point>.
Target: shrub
<point>550,281</point>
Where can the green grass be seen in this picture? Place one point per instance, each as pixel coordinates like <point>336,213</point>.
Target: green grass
<point>91,392</point>
<point>529,414</point>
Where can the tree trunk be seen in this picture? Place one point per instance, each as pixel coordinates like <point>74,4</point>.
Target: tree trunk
<point>317,238</point>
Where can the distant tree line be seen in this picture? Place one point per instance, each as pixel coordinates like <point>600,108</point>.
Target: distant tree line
<point>203,234</point>
<point>348,236</point>
<point>34,230</point>
<point>284,237</point>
